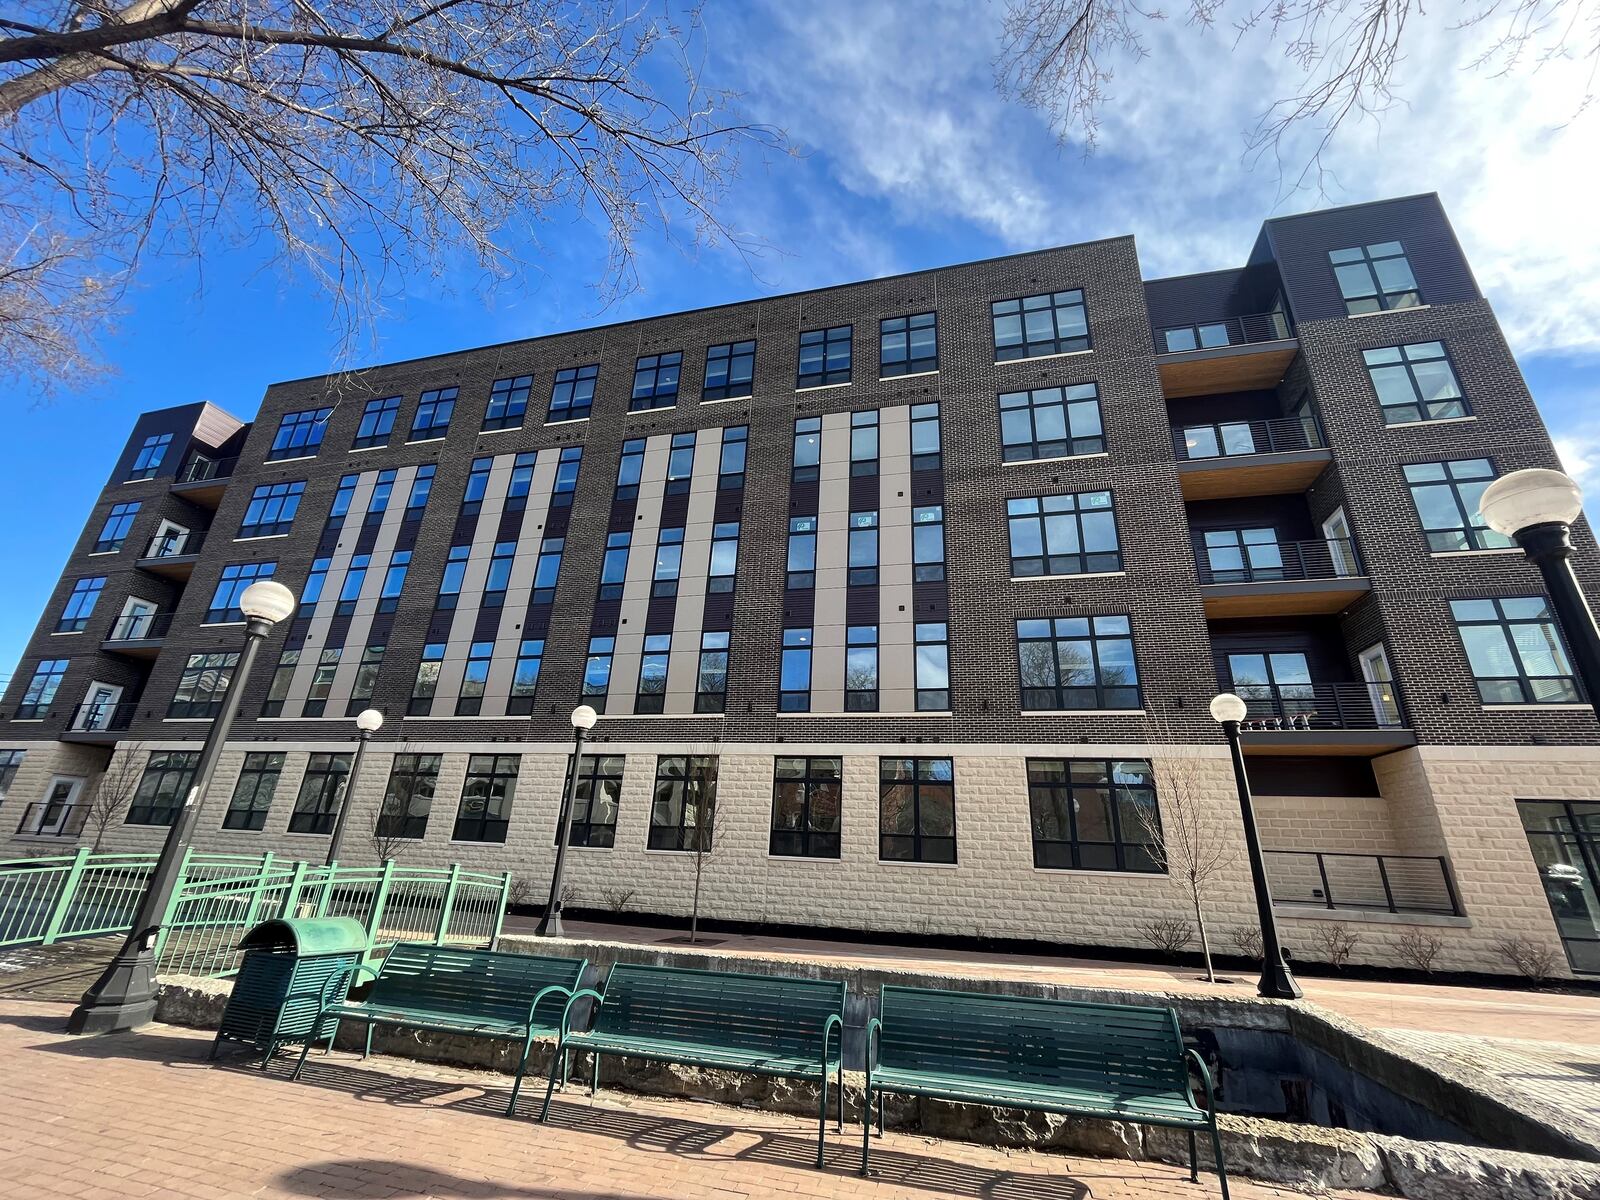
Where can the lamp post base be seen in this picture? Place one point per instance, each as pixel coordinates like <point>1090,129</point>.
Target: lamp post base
<point>1278,982</point>
<point>549,925</point>
<point>124,997</point>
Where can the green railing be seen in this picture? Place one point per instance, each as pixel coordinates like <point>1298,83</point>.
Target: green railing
<point>221,896</point>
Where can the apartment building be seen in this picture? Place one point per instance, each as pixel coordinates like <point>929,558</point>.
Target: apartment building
<point>903,602</point>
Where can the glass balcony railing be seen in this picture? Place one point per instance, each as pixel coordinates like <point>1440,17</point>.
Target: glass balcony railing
<point>1393,883</point>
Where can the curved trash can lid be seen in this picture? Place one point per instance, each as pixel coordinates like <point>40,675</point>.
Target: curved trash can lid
<point>308,936</point>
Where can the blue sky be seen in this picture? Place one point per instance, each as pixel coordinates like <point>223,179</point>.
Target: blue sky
<point>905,158</point>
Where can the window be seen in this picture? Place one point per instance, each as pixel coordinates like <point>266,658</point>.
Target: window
<point>927,543</point>
<point>566,477</point>
<point>119,521</point>
<point>824,357</point>
<point>614,565</point>
<point>355,579</point>
<point>10,764</point>
<point>508,403</point>
<point>40,693</point>
<point>408,798</point>
<point>630,469</point>
<point>1063,535</point>
<point>394,581</point>
<point>669,561</point>
<point>1242,555</point>
<point>366,679</point>
<point>485,811</point>
<point>161,791</point>
<point>235,578</point>
<point>864,443</point>
<point>1374,278</point>
<point>322,682</point>
<point>933,666</point>
<point>299,434</point>
<point>455,571</point>
<point>252,794</point>
<point>382,490</point>
<point>861,668</point>
<point>711,680</point>
<point>724,556</point>
<point>547,571</point>
<point>1051,423</point>
<point>680,463</point>
<point>1194,337</point>
<point>271,509</point>
<point>1515,650</point>
<point>730,371</point>
<point>499,576</point>
<point>203,684</point>
<point>730,467</point>
<point>683,809</point>
<point>802,557</point>
<point>1077,663</point>
<point>525,677</point>
<point>794,675</point>
<point>1035,325</point>
<point>1446,495</point>
<point>925,444</point>
<point>1094,814</point>
<point>282,678</point>
<point>377,423</point>
<point>908,345</point>
<point>1220,440</point>
<point>342,499</point>
<point>655,381</point>
<point>148,461</point>
<point>434,410</point>
<point>572,393</point>
<point>806,802</point>
<point>80,604</point>
<point>807,449</point>
<point>316,808</point>
<point>474,679</point>
<point>477,487</point>
<point>651,696</point>
<point>596,796</point>
<point>1415,383</point>
<point>421,489</point>
<point>316,580</point>
<point>520,483</point>
<point>1564,838</point>
<point>916,810</point>
<point>426,683</point>
<point>597,672</point>
<point>863,549</point>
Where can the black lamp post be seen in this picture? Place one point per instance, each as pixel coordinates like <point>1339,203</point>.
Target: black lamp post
<point>1277,982</point>
<point>368,722</point>
<point>1536,509</point>
<point>583,719</point>
<point>124,996</point>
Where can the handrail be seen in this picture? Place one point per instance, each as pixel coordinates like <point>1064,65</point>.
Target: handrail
<point>140,627</point>
<point>175,545</point>
<point>1305,706</point>
<point>1201,441</point>
<point>45,818</point>
<point>1393,883</point>
<point>200,469</point>
<point>1276,562</point>
<point>1241,330</point>
<point>93,716</point>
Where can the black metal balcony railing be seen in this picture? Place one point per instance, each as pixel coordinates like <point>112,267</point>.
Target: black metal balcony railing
<point>1226,439</point>
<point>199,469</point>
<point>1291,707</point>
<point>99,716</point>
<point>46,818</point>
<point>1230,331</point>
<point>1227,561</point>
<point>175,545</point>
<point>140,627</point>
<point>1374,882</point>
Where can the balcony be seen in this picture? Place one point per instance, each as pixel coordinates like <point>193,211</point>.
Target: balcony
<point>203,480</point>
<point>99,723</point>
<point>172,554</point>
<point>1363,719</point>
<point>1248,458</point>
<point>52,819</point>
<point>1243,578</point>
<point>1238,354</point>
<point>1395,883</point>
<point>138,636</point>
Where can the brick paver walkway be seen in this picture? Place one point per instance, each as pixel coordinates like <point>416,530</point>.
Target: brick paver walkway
<point>145,1115</point>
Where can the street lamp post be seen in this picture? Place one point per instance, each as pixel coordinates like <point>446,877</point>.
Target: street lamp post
<point>1536,509</point>
<point>583,719</point>
<point>368,722</point>
<point>124,995</point>
<point>1277,982</point>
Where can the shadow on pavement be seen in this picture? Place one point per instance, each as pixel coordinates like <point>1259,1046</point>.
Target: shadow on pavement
<point>356,1177</point>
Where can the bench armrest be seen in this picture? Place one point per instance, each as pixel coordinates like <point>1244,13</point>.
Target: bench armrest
<point>554,989</point>
<point>827,1030</point>
<point>343,982</point>
<point>1205,1079</point>
<point>566,1013</point>
<point>874,1035</point>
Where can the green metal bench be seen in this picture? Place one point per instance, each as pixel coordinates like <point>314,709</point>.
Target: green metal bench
<point>759,1024</point>
<point>477,993</point>
<point>1113,1061</point>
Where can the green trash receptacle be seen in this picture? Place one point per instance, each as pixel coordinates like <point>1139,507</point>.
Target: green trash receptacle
<point>287,966</point>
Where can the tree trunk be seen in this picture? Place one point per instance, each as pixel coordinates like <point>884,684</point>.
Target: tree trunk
<point>1205,938</point>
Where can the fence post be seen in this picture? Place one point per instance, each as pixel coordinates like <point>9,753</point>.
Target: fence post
<point>175,899</point>
<point>329,873</point>
<point>291,902</point>
<point>251,913</point>
<point>379,900</point>
<point>68,890</point>
<point>449,903</point>
<point>500,913</point>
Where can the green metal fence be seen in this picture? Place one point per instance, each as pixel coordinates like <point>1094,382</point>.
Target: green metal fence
<point>220,896</point>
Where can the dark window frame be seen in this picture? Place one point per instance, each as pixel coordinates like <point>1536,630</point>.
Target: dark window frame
<point>316,802</point>
<point>678,836</point>
<point>1058,699</point>
<point>1424,409</point>
<point>907,363</point>
<point>510,396</point>
<point>274,506</point>
<point>173,772</point>
<point>568,386</point>
<point>377,422</point>
<point>802,840</point>
<point>203,685</point>
<point>1067,563</point>
<point>827,374</point>
<point>491,771</point>
<point>1043,449</point>
<point>118,525</point>
<point>1127,854</point>
<point>1469,535</point>
<point>648,370</point>
<point>1062,339</point>
<point>407,823</point>
<point>299,434</point>
<point>247,813</point>
<point>433,401</point>
<point>1382,298</point>
<point>594,771</point>
<point>918,782</point>
<point>1573,692</point>
<point>80,604</point>
<point>731,354</point>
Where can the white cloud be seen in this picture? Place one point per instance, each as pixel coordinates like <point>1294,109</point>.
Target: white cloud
<point>1580,458</point>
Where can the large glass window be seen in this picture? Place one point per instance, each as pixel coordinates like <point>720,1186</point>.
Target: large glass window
<point>455,574</point>
<point>1374,278</point>
<point>316,580</point>
<point>614,565</point>
<point>426,685</point>
<point>908,345</point>
<point>168,775</point>
<point>147,463</point>
<point>927,543</point>
<point>316,808</point>
<point>1415,382</point>
<point>630,469</point>
<point>1076,663</point>
<point>394,581</point>
<point>421,489</point>
<point>1515,649</point>
<point>1564,836</point>
<point>235,578</point>
<point>933,666</point>
<point>119,521</point>
<point>669,562</point>
<point>498,579</point>
<point>824,357</point>
<point>10,764</point>
<point>1242,555</point>
<point>366,679</point>
<point>572,393</point>
<point>355,578</point>
<point>730,371</point>
<point>485,811</point>
<point>271,509</point>
<point>343,497</point>
<point>596,797</point>
<point>41,691</point>
<point>680,464</point>
<point>801,560</point>
<point>916,810</point>
<point>794,683</point>
<point>525,677</point>
<point>1063,535</point>
<point>1035,325</point>
<point>655,381</point>
<point>282,679</point>
<point>252,794</point>
<point>1446,495</point>
<point>651,696</point>
<point>520,483</point>
<point>807,449</point>
<point>80,604</point>
<point>682,813</point>
<point>730,466</point>
<point>711,677</point>
<point>807,798</point>
<point>926,449</point>
<point>864,443</point>
<point>474,679</point>
<point>863,549</point>
<point>434,410</point>
<point>597,672</point>
<point>566,483</point>
<point>299,434</point>
<point>203,684</point>
<point>1051,423</point>
<point>508,403</point>
<point>861,668</point>
<point>724,565</point>
<point>1093,814</point>
<point>322,681</point>
<point>377,422</point>
<point>408,798</point>
<point>477,486</point>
